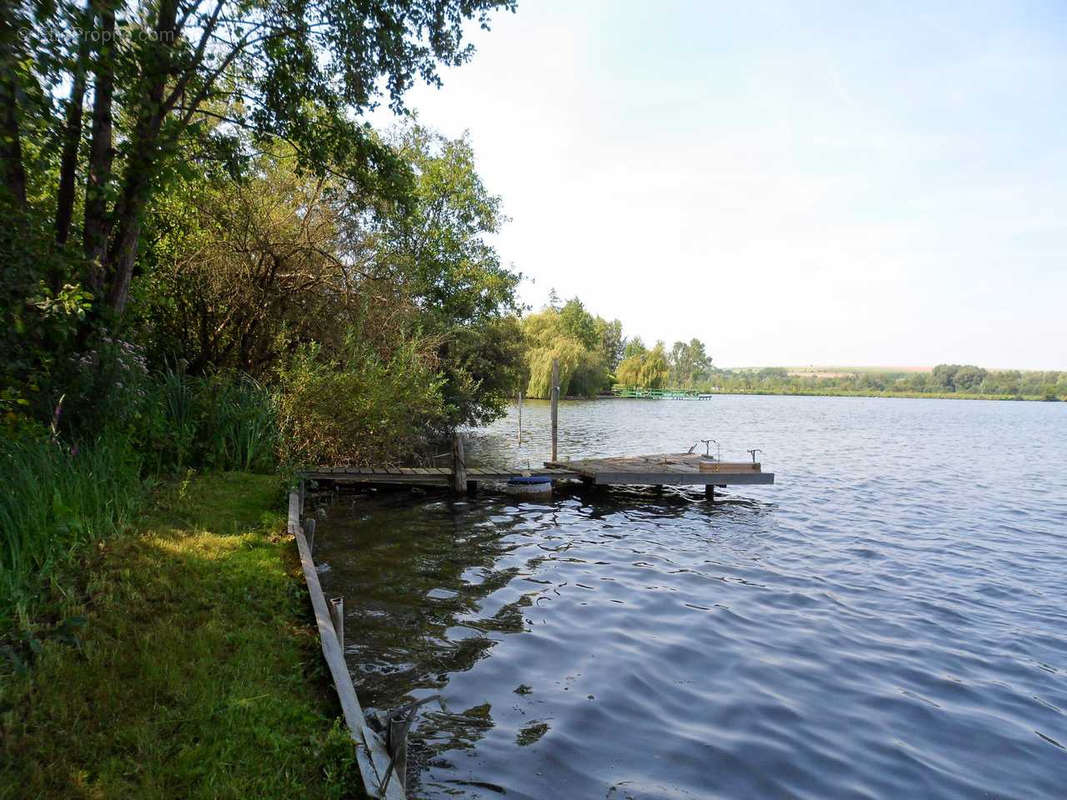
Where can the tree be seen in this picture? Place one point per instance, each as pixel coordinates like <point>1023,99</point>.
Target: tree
<point>570,336</point>
<point>435,250</point>
<point>634,347</point>
<point>610,342</point>
<point>578,324</point>
<point>647,369</point>
<point>689,364</point>
<point>163,74</point>
<point>244,272</point>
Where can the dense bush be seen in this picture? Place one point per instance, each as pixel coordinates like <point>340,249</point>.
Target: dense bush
<point>360,408</point>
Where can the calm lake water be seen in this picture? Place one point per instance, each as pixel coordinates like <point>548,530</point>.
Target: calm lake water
<point>888,621</point>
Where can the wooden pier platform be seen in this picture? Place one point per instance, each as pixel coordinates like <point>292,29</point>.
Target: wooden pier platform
<point>670,469</point>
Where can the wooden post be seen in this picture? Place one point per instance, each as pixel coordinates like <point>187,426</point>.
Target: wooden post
<point>520,416</point>
<point>459,465</point>
<point>555,405</point>
<point>337,617</point>
<point>396,738</point>
<point>709,492</point>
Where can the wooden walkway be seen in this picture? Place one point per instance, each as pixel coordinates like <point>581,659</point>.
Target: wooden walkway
<point>429,476</point>
<point>670,469</point>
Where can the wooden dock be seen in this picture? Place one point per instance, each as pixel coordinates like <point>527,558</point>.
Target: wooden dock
<point>669,469</point>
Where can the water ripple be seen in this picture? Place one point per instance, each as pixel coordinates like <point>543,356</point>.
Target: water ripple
<point>887,621</point>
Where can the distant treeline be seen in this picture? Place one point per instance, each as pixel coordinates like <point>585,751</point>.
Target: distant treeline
<point>594,356</point>
<point>945,380</point>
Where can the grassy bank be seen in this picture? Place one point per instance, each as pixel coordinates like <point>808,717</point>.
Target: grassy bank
<point>188,667</point>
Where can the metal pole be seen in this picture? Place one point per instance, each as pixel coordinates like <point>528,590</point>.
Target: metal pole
<point>459,466</point>
<point>555,405</point>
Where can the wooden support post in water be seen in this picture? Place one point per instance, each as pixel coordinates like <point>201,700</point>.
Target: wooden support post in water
<point>337,617</point>
<point>555,404</point>
<point>709,492</point>
<point>520,416</point>
<point>396,741</point>
<point>459,465</point>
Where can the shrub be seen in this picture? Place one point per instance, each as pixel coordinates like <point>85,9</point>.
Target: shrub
<point>362,408</point>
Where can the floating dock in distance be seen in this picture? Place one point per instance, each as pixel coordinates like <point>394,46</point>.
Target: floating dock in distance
<point>670,469</point>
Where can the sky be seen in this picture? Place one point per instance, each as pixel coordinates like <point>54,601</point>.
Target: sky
<point>791,182</point>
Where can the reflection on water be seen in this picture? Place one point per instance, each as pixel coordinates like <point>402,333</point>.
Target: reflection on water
<point>887,621</point>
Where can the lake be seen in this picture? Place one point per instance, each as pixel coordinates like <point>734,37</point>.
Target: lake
<point>887,621</point>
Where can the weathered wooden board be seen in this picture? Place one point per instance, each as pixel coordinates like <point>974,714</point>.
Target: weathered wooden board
<point>371,754</point>
<point>681,478</point>
<point>669,469</point>
<point>665,469</point>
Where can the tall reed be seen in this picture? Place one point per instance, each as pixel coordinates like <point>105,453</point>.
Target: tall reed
<point>56,500</point>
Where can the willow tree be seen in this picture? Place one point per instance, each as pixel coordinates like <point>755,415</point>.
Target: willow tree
<point>572,336</point>
<point>648,369</point>
<point>97,101</point>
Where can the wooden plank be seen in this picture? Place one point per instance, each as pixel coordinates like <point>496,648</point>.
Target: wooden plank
<point>681,478</point>
<point>371,754</point>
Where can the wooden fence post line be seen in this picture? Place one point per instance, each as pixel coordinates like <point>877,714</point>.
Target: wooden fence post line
<point>459,465</point>
<point>337,617</point>
<point>371,755</point>
<point>555,405</point>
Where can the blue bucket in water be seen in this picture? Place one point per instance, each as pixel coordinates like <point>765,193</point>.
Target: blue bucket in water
<point>530,487</point>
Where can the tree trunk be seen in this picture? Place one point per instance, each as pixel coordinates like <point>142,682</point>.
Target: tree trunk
<point>142,165</point>
<point>72,134</point>
<point>101,154</point>
<point>10,144</point>
<point>11,165</point>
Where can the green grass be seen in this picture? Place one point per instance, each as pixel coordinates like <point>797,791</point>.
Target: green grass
<point>196,672</point>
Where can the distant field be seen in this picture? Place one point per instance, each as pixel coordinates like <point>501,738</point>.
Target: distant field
<point>840,372</point>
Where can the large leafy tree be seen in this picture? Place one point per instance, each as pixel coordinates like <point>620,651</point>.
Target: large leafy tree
<point>93,123</point>
<point>437,252</point>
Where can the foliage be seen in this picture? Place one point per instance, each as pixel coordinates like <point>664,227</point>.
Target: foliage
<point>39,316</point>
<point>242,270</point>
<point>690,364</point>
<point>582,344</point>
<point>55,501</point>
<point>358,407</point>
<point>181,76</point>
<point>648,369</point>
<point>194,672</point>
<point>944,380</point>
<point>437,257</point>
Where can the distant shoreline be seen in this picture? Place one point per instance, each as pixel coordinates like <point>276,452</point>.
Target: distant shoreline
<point>795,393</point>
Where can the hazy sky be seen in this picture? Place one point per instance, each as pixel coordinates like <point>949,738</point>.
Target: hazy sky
<point>794,183</point>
